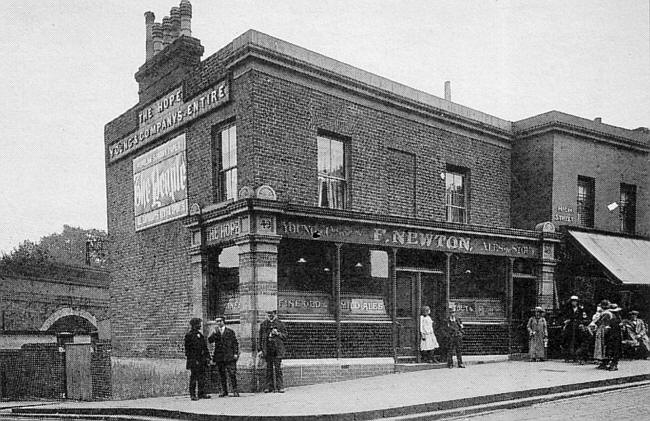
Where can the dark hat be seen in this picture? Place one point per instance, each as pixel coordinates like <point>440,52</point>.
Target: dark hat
<point>271,312</point>
<point>195,321</point>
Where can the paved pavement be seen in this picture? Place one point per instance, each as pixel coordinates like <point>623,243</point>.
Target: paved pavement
<point>630,404</point>
<point>382,396</point>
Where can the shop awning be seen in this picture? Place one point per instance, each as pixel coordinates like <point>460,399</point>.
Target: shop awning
<point>628,259</point>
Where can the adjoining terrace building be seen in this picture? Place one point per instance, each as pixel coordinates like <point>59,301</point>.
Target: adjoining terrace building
<point>267,176</point>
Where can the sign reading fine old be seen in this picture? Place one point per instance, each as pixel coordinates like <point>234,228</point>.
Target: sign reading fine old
<point>166,114</point>
<point>160,184</point>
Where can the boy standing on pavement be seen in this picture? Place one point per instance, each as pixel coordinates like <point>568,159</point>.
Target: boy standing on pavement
<point>272,336</point>
<point>226,353</point>
<point>454,327</point>
<point>198,357</point>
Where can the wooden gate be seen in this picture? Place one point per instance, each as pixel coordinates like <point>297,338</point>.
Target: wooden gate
<point>77,371</point>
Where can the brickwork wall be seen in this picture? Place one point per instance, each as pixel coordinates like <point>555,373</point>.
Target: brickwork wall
<point>310,340</point>
<point>366,340</point>
<point>289,117</point>
<point>485,340</point>
<point>42,371</point>
<point>609,167</point>
<point>100,371</point>
<point>10,373</point>
<point>532,181</point>
<point>401,182</point>
<point>27,302</point>
<point>151,285</point>
<point>318,340</point>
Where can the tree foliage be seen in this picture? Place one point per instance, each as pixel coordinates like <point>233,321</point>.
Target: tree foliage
<point>73,246</point>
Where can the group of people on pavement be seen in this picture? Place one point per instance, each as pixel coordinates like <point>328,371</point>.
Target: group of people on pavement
<point>272,335</point>
<point>453,331</point>
<point>603,337</point>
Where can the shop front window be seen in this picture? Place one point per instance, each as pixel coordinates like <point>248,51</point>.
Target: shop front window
<point>307,279</point>
<point>477,286</point>
<point>364,281</point>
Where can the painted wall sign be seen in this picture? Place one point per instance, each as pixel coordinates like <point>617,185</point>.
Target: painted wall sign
<point>370,306</point>
<point>412,238</point>
<point>168,113</point>
<point>160,184</point>
<point>303,303</point>
<point>223,231</point>
<point>564,214</point>
<point>478,309</point>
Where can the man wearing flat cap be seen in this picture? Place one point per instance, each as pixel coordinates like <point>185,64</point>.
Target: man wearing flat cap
<point>273,333</point>
<point>454,329</point>
<point>198,357</point>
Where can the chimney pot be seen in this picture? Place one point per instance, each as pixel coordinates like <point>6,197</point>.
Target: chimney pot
<point>157,36</point>
<point>186,18</point>
<point>149,19</point>
<point>598,119</point>
<point>448,90</point>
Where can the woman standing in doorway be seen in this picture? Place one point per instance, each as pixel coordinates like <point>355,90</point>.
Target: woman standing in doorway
<point>428,340</point>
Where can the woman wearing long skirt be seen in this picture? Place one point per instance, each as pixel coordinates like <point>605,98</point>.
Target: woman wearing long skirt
<point>601,325</point>
<point>538,333</point>
<point>428,340</point>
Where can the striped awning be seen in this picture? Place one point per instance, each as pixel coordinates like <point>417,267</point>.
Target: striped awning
<point>627,259</point>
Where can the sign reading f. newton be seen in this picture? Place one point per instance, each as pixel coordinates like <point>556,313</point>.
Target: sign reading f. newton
<point>160,184</point>
<point>167,114</point>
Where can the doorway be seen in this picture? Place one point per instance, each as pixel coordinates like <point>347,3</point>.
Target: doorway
<point>417,288</point>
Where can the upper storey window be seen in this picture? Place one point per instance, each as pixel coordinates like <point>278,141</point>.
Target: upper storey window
<point>628,208</point>
<point>585,202</point>
<point>332,175</point>
<point>456,190</point>
<point>228,164</point>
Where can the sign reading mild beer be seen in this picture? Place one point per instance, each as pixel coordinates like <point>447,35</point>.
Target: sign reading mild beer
<point>168,113</point>
<point>160,184</point>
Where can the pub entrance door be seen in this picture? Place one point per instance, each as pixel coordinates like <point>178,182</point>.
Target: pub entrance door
<point>415,289</point>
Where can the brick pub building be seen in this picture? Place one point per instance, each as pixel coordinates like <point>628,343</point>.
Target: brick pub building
<point>267,176</point>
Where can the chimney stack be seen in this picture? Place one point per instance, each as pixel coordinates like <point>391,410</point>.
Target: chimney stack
<point>448,90</point>
<point>186,18</point>
<point>175,15</point>
<point>149,18</point>
<point>157,37</point>
<point>598,119</point>
<point>177,24</point>
<point>167,31</point>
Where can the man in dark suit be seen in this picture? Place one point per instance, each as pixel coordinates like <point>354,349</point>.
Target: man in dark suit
<point>272,336</point>
<point>454,330</point>
<point>226,353</point>
<point>198,356</point>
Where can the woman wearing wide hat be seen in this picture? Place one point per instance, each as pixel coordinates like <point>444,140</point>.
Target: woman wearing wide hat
<point>538,333</point>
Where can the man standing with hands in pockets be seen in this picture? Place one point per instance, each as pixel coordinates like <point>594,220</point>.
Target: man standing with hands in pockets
<point>226,353</point>
<point>272,336</point>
